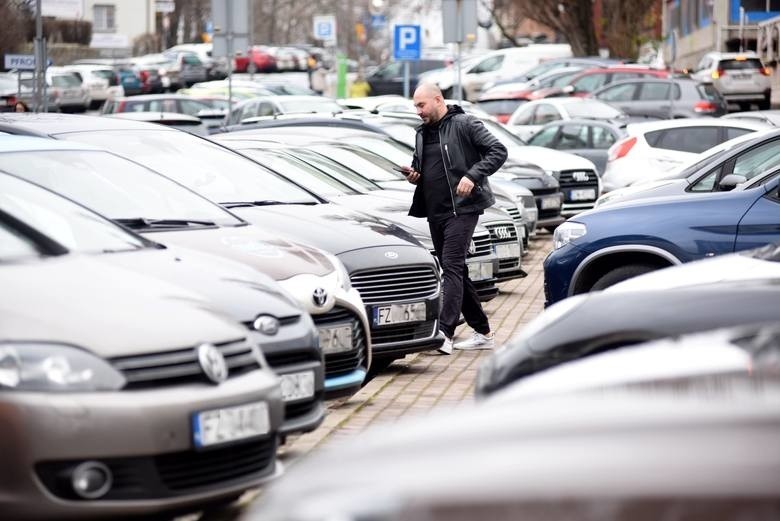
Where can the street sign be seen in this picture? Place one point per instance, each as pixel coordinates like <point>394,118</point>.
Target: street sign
<point>325,28</point>
<point>22,62</point>
<point>230,19</point>
<point>378,21</point>
<point>407,43</point>
<point>459,18</point>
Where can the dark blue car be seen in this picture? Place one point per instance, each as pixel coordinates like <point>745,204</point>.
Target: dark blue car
<point>603,247</point>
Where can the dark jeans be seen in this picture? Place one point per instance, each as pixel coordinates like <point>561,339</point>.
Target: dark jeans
<point>451,239</point>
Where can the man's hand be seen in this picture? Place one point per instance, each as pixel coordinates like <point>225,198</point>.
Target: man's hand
<point>411,174</point>
<point>465,186</point>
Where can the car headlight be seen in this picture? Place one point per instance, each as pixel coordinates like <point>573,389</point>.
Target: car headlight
<point>567,232</point>
<point>341,272</point>
<point>553,173</point>
<point>39,366</point>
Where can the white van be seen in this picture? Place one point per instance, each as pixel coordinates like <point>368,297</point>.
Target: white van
<point>494,66</point>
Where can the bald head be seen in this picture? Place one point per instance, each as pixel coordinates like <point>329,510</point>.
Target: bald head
<point>429,102</point>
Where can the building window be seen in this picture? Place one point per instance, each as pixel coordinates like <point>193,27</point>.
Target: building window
<point>103,18</point>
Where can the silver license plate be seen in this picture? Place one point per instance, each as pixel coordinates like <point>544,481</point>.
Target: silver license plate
<point>551,202</point>
<point>335,339</point>
<point>582,195</point>
<point>230,424</point>
<point>507,251</point>
<point>399,313</point>
<point>480,271</point>
<point>297,386</point>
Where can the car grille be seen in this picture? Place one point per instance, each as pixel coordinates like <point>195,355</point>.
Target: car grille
<point>402,332</point>
<point>502,232</point>
<point>285,358</point>
<point>149,477</point>
<point>386,285</point>
<point>569,182</point>
<point>508,264</point>
<point>294,410</point>
<point>481,245</point>
<point>337,364</point>
<point>181,365</point>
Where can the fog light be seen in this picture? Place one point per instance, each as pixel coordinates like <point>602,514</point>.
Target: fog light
<point>91,480</point>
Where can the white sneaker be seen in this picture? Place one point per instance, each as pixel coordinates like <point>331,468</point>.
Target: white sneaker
<point>446,347</point>
<point>477,341</point>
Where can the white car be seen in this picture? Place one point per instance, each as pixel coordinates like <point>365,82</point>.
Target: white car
<point>530,117</point>
<point>739,77</point>
<point>651,150</point>
<point>101,82</point>
<point>493,66</point>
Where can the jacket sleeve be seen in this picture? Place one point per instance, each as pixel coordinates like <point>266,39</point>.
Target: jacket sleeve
<point>490,149</point>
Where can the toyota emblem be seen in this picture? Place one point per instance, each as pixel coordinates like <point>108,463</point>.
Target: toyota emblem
<point>320,296</point>
<point>266,324</point>
<point>213,363</point>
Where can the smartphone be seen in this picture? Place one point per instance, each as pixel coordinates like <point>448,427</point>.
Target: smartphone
<point>400,169</point>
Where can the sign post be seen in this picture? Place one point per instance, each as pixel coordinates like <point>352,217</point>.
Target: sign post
<point>407,46</point>
<point>231,32</point>
<point>459,18</point>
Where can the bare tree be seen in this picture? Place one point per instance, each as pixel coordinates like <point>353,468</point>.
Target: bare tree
<point>16,16</point>
<point>623,25</point>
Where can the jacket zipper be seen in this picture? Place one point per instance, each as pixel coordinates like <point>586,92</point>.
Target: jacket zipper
<point>446,152</point>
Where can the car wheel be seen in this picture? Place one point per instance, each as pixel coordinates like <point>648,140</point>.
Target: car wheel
<point>620,274</point>
<point>378,365</point>
<point>766,104</point>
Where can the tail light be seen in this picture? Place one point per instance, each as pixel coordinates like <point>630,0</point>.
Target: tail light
<point>705,107</point>
<point>766,71</point>
<point>621,148</point>
<point>144,76</point>
<point>718,74</point>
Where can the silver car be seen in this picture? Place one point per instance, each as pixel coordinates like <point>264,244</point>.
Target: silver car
<point>739,77</point>
<point>93,425</point>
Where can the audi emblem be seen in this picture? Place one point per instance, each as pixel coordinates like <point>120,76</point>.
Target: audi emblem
<point>581,177</point>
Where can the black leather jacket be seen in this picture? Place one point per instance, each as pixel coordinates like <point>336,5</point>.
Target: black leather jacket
<point>469,149</point>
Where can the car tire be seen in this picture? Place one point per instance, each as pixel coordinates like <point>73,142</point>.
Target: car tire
<point>620,274</point>
<point>766,104</point>
<point>378,365</point>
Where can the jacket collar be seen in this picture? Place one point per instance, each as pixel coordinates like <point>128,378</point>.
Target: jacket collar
<point>451,111</point>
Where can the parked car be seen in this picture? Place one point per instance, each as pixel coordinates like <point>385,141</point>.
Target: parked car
<point>216,68</point>
<point>11,91</point>
<point>616,242</point>
<point>553,64</point>
<point>742,163</point>
<point>152,204</point>
<point>102,82</point>
<point>186,68</point>
<point>181,122</point>
<point>91,369</point>
<point>128,77</point>
<point>651,150</point>
<point>259,56</point>
<point>652,99</point>
<point>530,117</point>
<point>66,90</point>
<point>770,117</point>
<point>740,77</point>
<point>589,80</point>
<point>682,451</point>
<point>174,103</point>
<point>590,139</point>
<point>388,78</point>
<point>731,290</point>
<point>267,106</point>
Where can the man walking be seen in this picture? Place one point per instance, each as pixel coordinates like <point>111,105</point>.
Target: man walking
<point>453,156</point>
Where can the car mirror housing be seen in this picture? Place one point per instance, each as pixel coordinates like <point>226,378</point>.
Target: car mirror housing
<point>730,181</point>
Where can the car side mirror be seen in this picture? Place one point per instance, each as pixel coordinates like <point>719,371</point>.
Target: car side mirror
<point>569,89</point>
<point>730,182</point>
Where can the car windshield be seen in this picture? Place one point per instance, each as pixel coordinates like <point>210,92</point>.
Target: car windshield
<point>313,105</point>
<point>115,187</point>
<point>593,110</point>
<point>368,165</point>
<point>65,80</point>
<point>393,151</point>
<point>71,225</point>
<point>299,172</point>
<point>336,170</point>
<point>201,165</point>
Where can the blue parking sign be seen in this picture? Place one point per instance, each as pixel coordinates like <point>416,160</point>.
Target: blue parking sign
<point>407,42</point>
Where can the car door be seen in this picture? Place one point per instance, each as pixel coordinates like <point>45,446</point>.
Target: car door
<point>761,224</point>
<point>672,147</point>
<point>620,96</point>
<point>653,99</point>
<point>544,113</point>
<point>387,79</point>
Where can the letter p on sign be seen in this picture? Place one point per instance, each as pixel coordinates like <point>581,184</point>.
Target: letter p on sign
<point>407,44</point>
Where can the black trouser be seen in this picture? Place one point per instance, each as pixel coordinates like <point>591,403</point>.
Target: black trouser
<point>451,239</point>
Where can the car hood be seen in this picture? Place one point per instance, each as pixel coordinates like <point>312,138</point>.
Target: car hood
<point>644,190</point>
<point>735,267</point>
<point>119,312</point>
<point>549,159</point>
<point>331,227</point>
<point>234,288</point>
<point>268,253</point>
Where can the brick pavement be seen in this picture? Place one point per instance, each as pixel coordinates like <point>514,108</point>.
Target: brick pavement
<point>423,381</point>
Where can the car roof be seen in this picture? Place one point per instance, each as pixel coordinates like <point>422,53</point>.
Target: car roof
<point>44,124</point>
<point>13,143</point>
<point>649,126</point>
<point>585,121</point>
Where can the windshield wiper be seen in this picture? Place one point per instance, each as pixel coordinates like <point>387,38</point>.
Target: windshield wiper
<point>264,202</point>
<point>141,222</point>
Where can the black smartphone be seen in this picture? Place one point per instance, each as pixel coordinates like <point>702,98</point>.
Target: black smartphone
<point>399,169</point>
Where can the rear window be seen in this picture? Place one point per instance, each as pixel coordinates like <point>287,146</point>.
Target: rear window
<point>685,139</point>
<point>500,106</point>
<point>731,65</point>
<point>65,80</point>
<point>107,75</point>
<point>708,92</point>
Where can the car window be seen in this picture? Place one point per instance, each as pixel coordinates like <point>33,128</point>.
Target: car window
<point>544,137</point>
<point>732,132</point>
<point>525,116</point>
<point>545,113</point>
<point>709,92</point>
<point>264,109</point>
<point>590,82</point>
<point>620,76</point>
<point>573,137</point>
<point>500,106</point>
<point>656,91</point>
<point>706,183</point>
<point>395,152</point>
<point>758,160</point>
<point>299,172</point>
<point>602,138</point>
<point>336,170</point>
<point>740,64</point>
<point>390,70</point>
<point>355,159</point>
<point>623,92</point>
<point>191,107</point>
<point>559,81</point>
<point>65,80</point>
<point>488,65</point>
<point>686,139</point>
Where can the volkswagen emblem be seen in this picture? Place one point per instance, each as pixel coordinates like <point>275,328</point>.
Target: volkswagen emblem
<point>266,324</point>
<point>472,248</point>
<point>320,296</point>
<point>213,363</point>
<point>581,177</point>
<point>391,255</point>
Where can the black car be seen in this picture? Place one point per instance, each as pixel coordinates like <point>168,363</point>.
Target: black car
<point>586,324</point>
<point>377,255</point>
<point>652,98</point>
<point>389,78</point>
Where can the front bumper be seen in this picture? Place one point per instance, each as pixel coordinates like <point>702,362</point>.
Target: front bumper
<point>559,269</point>
<point>144,436</point>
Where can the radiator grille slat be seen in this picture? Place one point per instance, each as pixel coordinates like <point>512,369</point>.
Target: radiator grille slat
<point>386,285</point>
